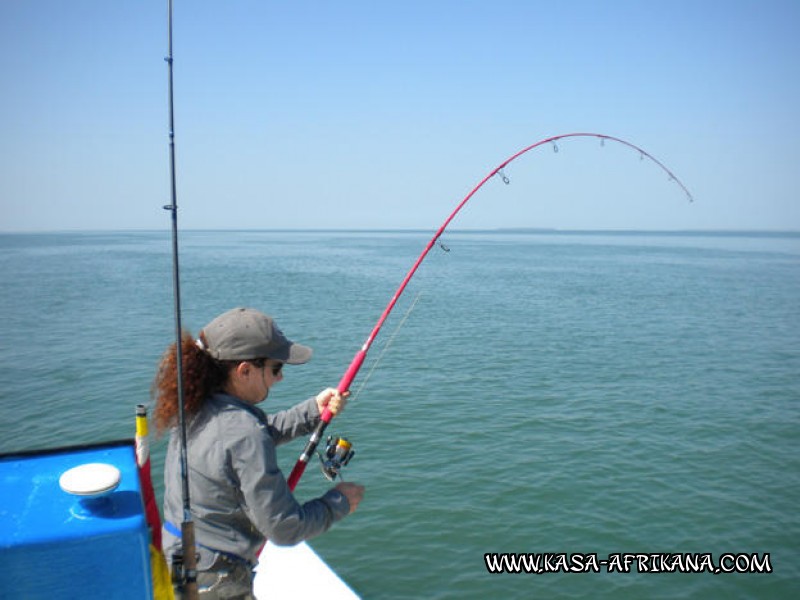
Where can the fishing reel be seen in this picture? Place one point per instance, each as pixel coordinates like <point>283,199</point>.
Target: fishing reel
<point>338,452</point>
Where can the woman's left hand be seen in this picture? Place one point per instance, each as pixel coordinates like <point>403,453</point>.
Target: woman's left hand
<point>332,399</point>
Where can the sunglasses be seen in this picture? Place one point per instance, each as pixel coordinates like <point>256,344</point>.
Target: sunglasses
<point>262,362</point>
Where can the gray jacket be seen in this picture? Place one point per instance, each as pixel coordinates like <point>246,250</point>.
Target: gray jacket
<point>238,494</point>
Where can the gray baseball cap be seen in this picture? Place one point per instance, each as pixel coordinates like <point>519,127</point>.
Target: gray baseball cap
<point>246,333</point>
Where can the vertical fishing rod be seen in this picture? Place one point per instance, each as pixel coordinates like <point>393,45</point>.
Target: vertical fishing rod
<point>186,566</point>
<point>358,359</point>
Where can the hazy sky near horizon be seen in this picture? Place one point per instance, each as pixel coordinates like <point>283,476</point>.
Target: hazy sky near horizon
<point>356,114</point>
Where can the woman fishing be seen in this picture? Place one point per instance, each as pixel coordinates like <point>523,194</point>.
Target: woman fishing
<point>238,494</point>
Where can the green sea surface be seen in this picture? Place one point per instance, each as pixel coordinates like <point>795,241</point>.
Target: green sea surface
<point>541,392</point>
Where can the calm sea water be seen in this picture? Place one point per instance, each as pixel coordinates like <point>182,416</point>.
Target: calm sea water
<point>593,393</point>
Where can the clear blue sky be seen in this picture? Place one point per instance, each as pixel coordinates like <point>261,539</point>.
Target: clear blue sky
<point>383,114</point>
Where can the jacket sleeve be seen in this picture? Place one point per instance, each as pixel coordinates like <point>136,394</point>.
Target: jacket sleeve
<point>293,422</point>
<point>269,503</point>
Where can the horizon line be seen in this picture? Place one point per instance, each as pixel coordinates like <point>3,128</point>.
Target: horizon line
<point>500,230</point>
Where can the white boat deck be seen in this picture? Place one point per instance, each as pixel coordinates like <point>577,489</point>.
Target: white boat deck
<point>297,572</point>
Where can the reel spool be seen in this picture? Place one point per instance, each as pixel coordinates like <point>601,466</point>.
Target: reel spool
<point>338,452</point>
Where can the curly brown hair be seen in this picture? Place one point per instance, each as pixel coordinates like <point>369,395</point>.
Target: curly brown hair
<point>202,376</point>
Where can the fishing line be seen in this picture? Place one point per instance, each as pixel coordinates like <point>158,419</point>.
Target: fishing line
<point>387,345</point>
<point>393,336</point>
<point>358,360</point>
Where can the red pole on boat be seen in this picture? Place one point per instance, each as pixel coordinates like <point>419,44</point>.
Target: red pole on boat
<point>358,359</point>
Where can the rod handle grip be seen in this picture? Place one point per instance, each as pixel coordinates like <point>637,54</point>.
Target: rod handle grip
<point>325,418</point>
<point>308,452</point>
<point>296,474</point>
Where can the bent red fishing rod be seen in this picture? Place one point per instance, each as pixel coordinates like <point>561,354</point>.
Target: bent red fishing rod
<point>360,356</point>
